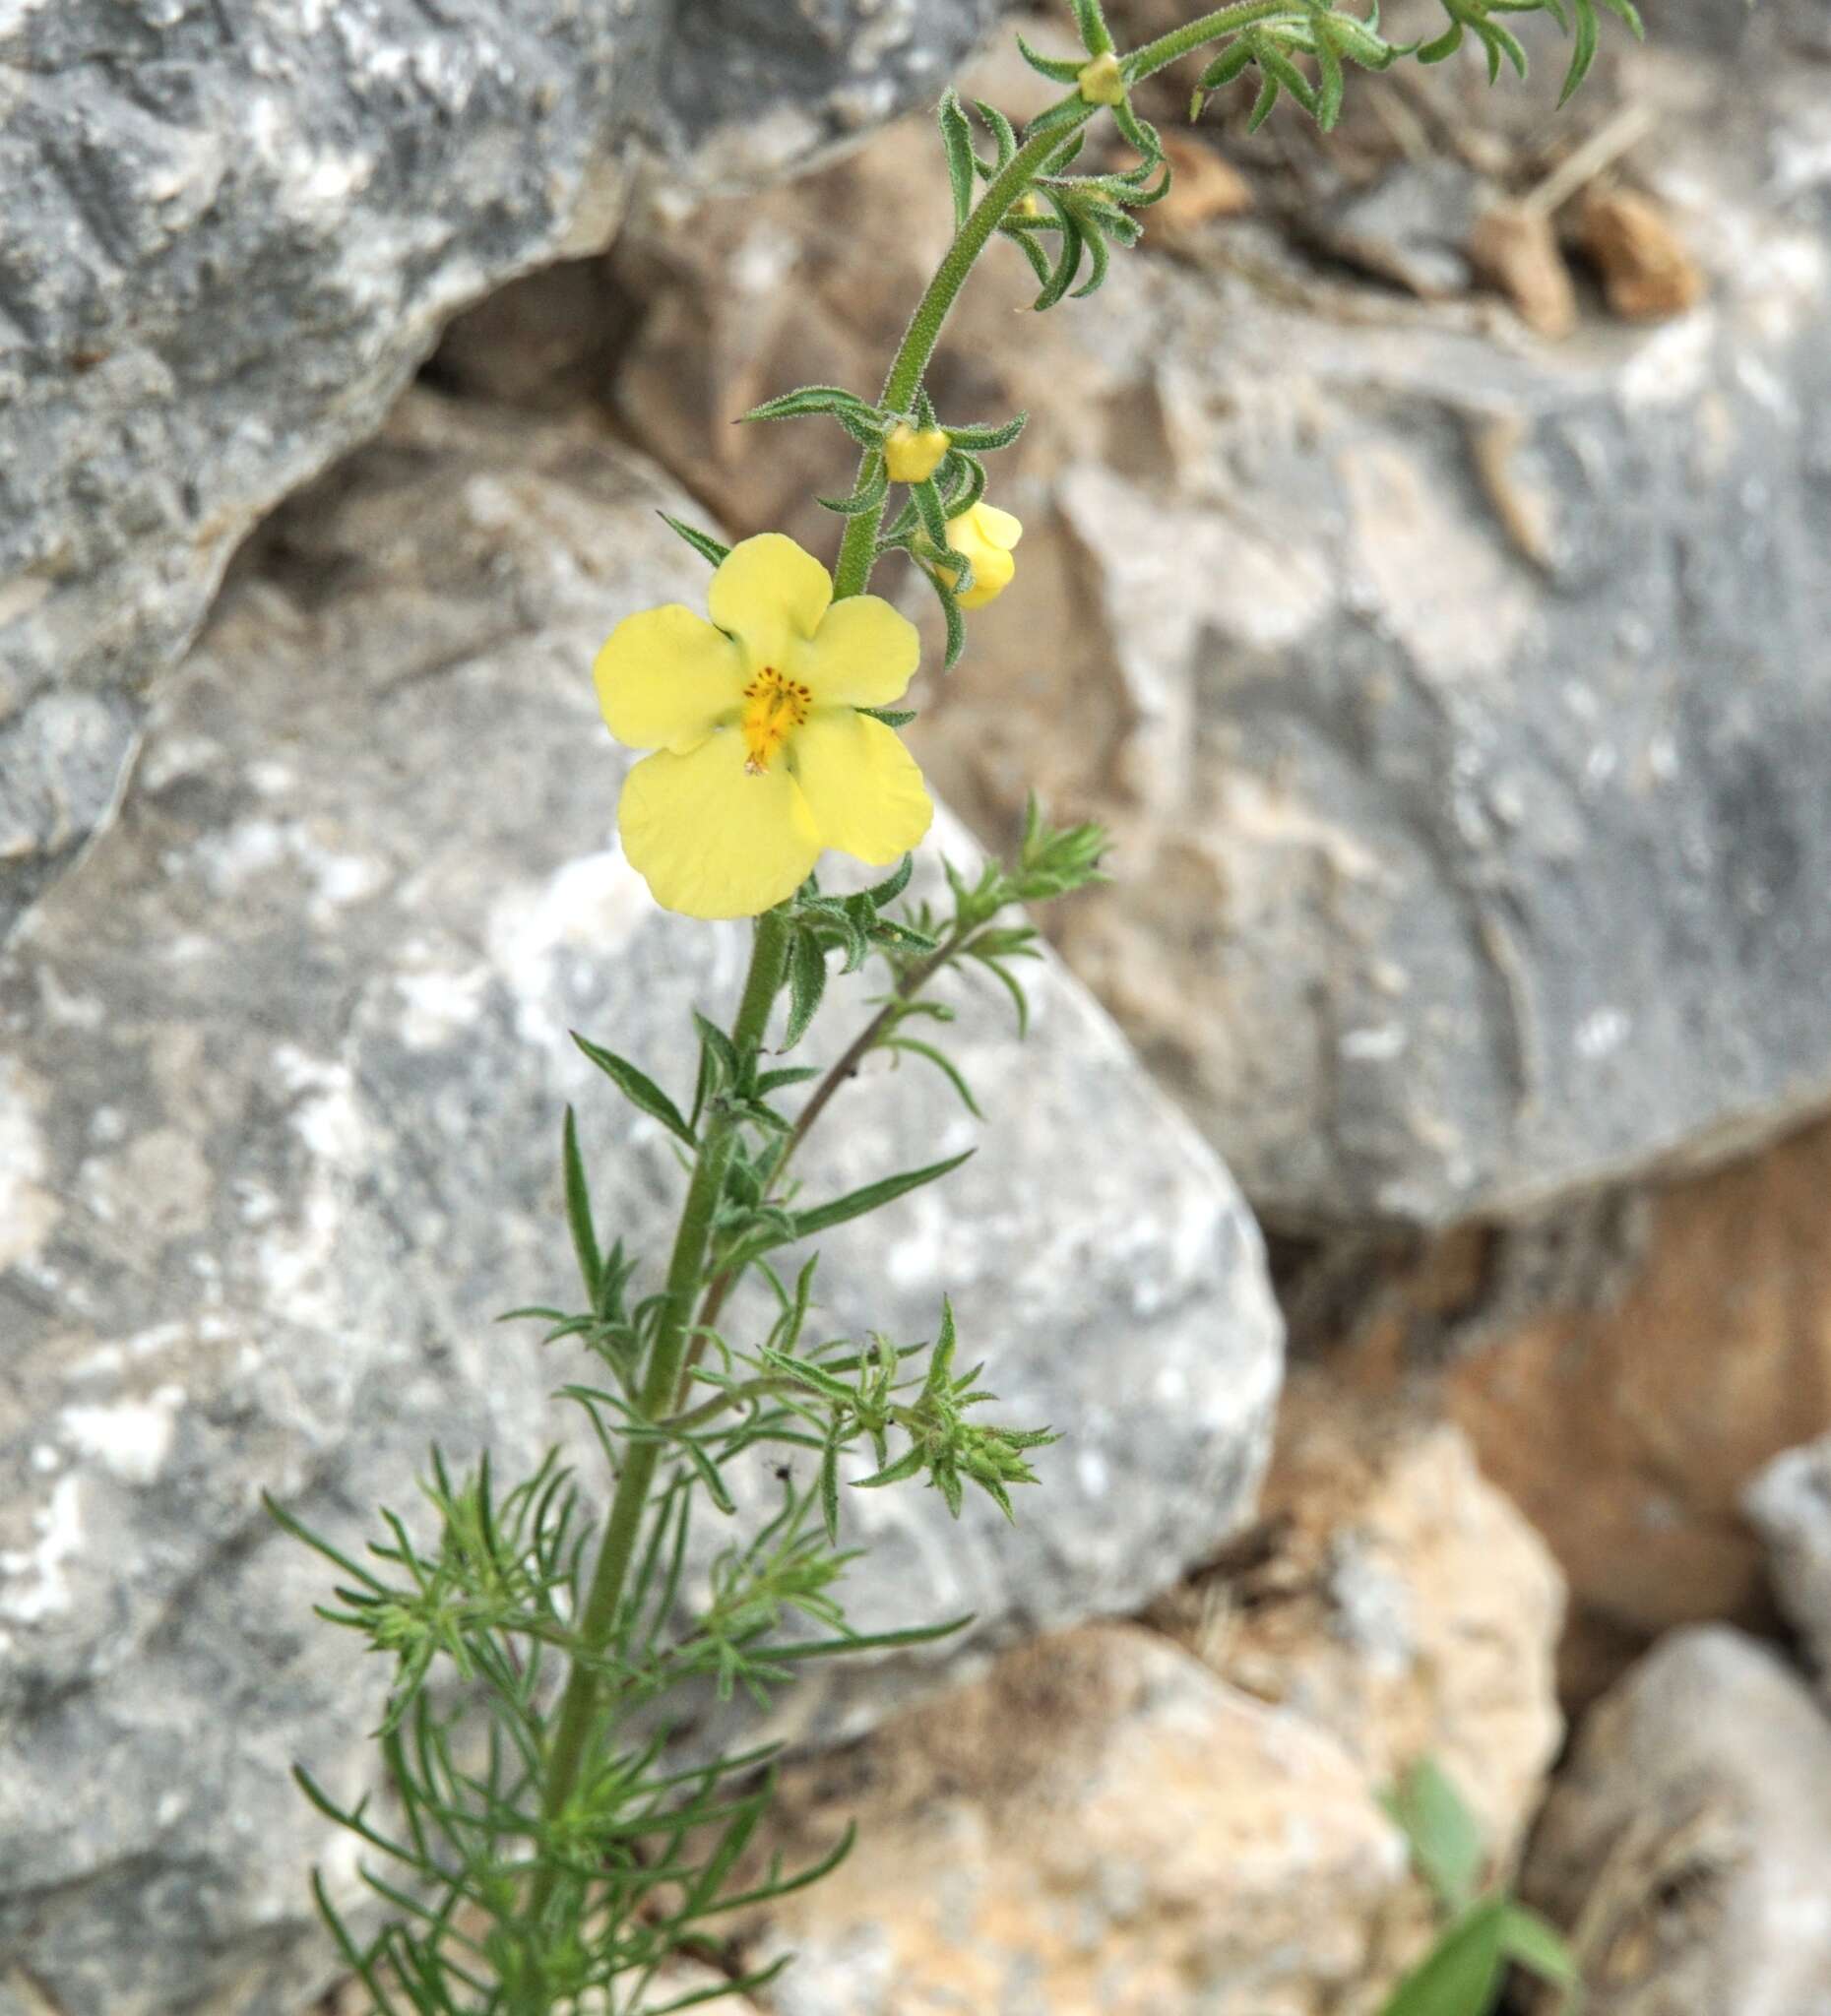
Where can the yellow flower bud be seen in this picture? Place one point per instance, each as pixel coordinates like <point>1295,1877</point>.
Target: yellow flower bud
<point>986,536</point>
<point>1100,81</point>
<point>912,457</point>
<point>1030,204</point>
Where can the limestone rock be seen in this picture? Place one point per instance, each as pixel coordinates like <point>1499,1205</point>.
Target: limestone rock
<point>1098,1828</point>
<point>1456,697</point>
<point>1685,1847</point>
<point>232,233</point>
<point>1395,1599</point>
<point>1790,1504</point>
<point>278,1119</point>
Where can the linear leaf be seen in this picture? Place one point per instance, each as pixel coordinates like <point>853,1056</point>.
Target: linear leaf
<point>638,1088</point>
<point>873,1197</point>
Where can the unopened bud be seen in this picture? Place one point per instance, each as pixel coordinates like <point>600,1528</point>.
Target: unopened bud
<point>912,454</point>
<point>1101,81</point>
<point>1030,204</point>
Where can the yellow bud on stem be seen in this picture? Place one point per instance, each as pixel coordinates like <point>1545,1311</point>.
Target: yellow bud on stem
<point>912,455</point>
<point>1101,81</point>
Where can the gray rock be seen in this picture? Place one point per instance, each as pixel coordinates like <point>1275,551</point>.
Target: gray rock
<point>1789,1506</point>
<point>1470,692</point>
<point>232,233</point>
<point>1686,1844</point>
<point>1458,698</point>
<point>284,1065</point>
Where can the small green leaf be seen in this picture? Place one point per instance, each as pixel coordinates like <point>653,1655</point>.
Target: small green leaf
<point>873,1197</point>
<point>809,399</point>
<point>957,139</point>
<point>807,983</point>
<point>702,542</point>
<point>640,1090</point>
<point>578,1213</point>
<point>1095,37</point>
<point>984,439</point>
<point>943,1063</point>
<point>1461,1975</point>
<point>1540,1947</point>
<point>891,717</point>
<point>898,880</point>
<point>1439,1829</point>
<point>873,489</point>
<point>1053,67</point>
<point>1004,135</point>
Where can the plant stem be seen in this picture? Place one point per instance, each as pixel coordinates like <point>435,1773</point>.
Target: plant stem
<point>858,549</point>
<point>578,1709</point>
<point>1157,55</point>
<point>842,1068</point>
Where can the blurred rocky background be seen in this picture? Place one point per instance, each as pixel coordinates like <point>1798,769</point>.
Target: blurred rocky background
<point>1427,573</point>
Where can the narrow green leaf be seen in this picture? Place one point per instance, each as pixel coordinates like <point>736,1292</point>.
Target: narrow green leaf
<point>871,493</point>
<point>911,1463</point>
<point>1003,133</point>
<point>1538,1946</point>
<point>702,542</point>
<point>1095,37</point>
<point>808,399</point>
<point>1461,1975</point>
<point>943,1063</point>
<point>1068,260</point>
<point>1442,1832</point>
<point>727,1063</point>
<point>957,140</point>
<point>807,983</point>
<point>891,717</point>
<point>829,1485</point>
<point>640,1090</point>
<point>1054,68</point>
<point>893,884</point>
<point>873,1197</point>
<point>578,1213</point>
<point>982,439</point>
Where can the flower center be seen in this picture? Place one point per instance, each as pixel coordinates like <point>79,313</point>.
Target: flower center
<point>774,708</point>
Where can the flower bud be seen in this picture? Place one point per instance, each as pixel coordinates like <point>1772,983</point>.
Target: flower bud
<point>1101,81</point>
<point>913,455</point>
<point>1030,204</point>
<point>986,536</point>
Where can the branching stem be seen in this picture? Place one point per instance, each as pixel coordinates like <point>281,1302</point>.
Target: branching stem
<point>579,1706</point>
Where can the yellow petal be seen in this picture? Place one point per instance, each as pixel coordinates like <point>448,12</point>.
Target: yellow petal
<point>997,528</point>
<point>986,536</point>
<point>665,676</point>
<point>770,595</point>
<point>711,840</point>
<point>863,655</point>
<point>863,785</point>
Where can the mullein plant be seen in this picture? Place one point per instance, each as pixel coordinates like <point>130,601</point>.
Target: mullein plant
<point>538,1846</point>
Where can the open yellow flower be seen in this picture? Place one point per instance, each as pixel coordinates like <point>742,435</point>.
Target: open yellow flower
<point>762,758</point>
<point>986,536</point>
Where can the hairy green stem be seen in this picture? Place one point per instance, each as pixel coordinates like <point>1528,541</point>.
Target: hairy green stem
<point>1225,21</point>
<point>579,1706</point>
<point>858,549</point>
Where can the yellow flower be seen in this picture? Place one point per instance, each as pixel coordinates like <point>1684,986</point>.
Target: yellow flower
<point>986,536</point>
<point>761,758</point>
<point>911,457</point>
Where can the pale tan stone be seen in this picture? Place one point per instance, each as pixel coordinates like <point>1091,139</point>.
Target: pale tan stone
<point>1101,1827</point>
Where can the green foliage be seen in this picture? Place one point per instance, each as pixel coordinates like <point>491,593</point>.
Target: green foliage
<point>505,1890</point>
<point>1484,1931</point>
